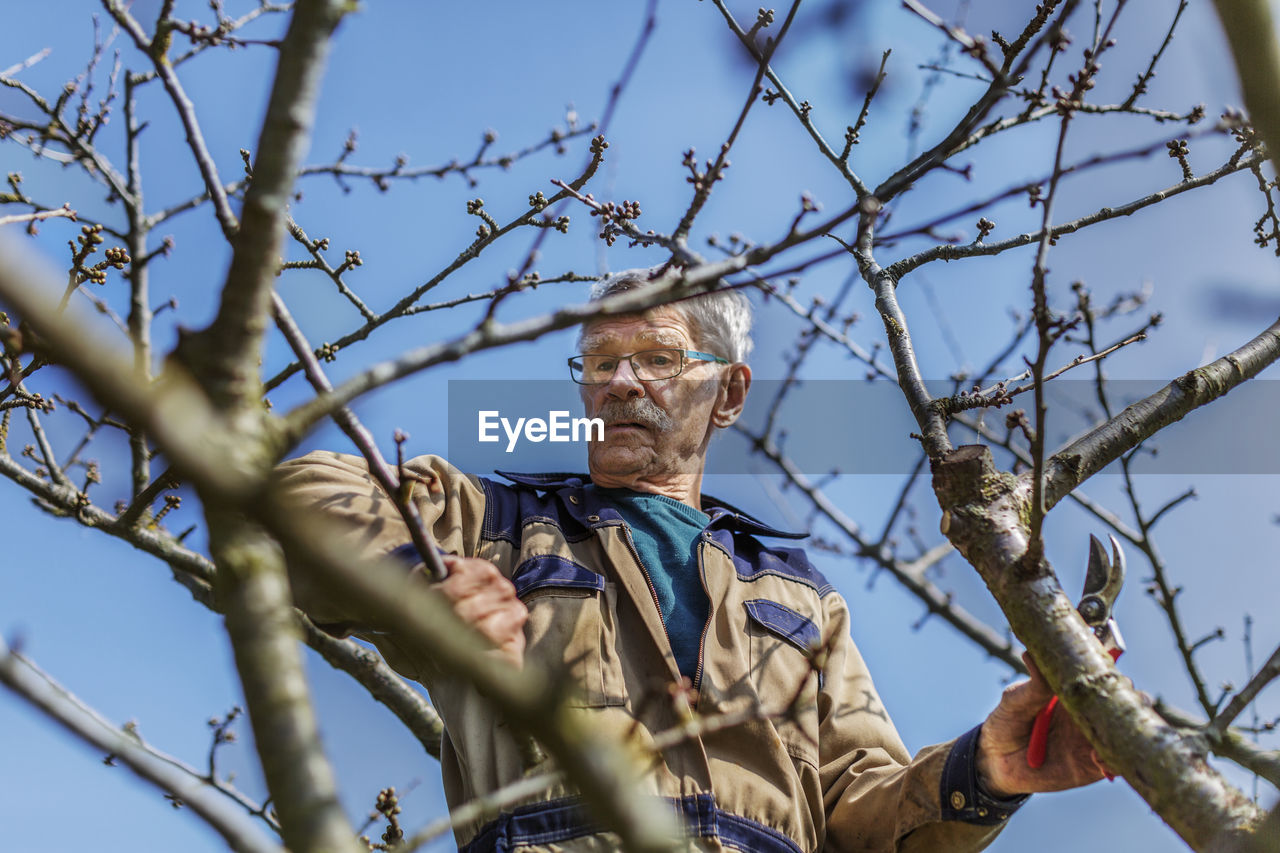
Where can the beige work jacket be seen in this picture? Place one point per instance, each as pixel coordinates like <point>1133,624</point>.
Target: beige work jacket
<point>823,769</point>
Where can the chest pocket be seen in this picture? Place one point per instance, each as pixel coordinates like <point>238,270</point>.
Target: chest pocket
<point>571,633</point>
<point>782,645</point>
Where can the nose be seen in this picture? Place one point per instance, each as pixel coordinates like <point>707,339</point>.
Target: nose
<point>623,384</point>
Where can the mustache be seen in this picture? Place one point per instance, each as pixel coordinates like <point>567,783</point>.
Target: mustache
<point>640,410</point>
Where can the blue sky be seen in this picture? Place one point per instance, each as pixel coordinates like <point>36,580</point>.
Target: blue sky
<point>426,81</point>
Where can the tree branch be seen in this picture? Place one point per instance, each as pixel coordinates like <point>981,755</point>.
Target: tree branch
<point>932,423</point>
<point>64,212</point>
<point>910,576</point>
<point>1092,452</point>
<point>491,334</point>
<point>1269,672</point>
<point>157,50</point>
<point>226,816</point>
<point>381,681</point>
<point>984,513</point>
<point>253,589</point>
<point>173,410</point>
<point>226,354</point>
<point>1230,744</point>
<point>420,617</point>
<point>976,249</point>
<point>363,440</point>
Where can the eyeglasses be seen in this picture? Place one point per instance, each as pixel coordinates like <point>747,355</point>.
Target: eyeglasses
<point>648,366</point>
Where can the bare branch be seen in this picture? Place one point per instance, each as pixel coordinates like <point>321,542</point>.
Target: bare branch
<point>227,353</point>
<point>62,212</point>
<point>314,249</point>
<point>26,63</point>
<point>174,411</point>
<point>140,314</point>
<point>1087,455</point>
<point>382,683</point>
<point>225,815</point>
<point>950,253</point>
<point>1269,672</point>
<point>1022,189</point>
<point>909,575</point>
<point>945,148</point>
<point>1144,78</point>
<point>704,182</point>
<point>402,306</point>
<point>884,285</point>
<point>1230,744</point>
<point>489,335</point>
<point>254,590</point>
<point>226,26</point>
<point>602,771</point>
<point>983,512</point>
<point>347,421</point>
<point>973,47</point>
<point>838,160</point>
<point>157,49</point>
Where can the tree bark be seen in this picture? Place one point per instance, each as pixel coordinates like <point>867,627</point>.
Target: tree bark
<point>985,515</point>
<point>253,590</point>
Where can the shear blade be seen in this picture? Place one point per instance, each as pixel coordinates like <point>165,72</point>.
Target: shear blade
<point>1104,576</point>
<point>1095,578</point>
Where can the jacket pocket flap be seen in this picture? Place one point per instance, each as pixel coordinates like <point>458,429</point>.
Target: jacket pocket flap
<point>785,623</point>
<point>550,570</point>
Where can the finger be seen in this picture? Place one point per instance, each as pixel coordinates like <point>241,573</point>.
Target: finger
<point>504,626</point>
<point>1033,671</point>
<point>1039,685</point>
<point>469,575</point>
<point>475,608</point>
<point>505,630</point>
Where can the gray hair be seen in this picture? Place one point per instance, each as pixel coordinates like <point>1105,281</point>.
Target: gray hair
<point>720,321</point>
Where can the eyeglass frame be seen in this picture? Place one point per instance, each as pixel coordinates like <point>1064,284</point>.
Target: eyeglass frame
<point>685,356</point>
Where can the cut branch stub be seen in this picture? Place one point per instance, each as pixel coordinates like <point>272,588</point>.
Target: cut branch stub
<point>984,513</point>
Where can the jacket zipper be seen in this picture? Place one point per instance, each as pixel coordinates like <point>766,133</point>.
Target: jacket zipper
<point>702,639</point>
<point>635,552</point>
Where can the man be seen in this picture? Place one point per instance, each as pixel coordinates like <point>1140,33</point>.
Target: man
<point>651,594</point>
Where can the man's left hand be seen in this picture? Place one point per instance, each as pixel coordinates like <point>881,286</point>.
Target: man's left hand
<point>1002,747</point>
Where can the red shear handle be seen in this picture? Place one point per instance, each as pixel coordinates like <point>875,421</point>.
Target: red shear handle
<point>1038,748</point>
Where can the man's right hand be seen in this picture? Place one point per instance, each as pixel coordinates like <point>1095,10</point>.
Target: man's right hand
<point>487,601</point>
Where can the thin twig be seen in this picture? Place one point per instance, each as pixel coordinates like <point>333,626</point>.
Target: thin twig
<point>704,183</point>
<point>64,212</point>
<point>950,253</point>
<point>26,63</point>
<point>361,437</point>
<point>1269,672</point>
<point>910,575</point>
<point>186,112</point>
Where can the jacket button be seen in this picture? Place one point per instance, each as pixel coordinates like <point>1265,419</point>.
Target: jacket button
<point>573,499</point>
<point>957,800</point>
<point>593,518</point>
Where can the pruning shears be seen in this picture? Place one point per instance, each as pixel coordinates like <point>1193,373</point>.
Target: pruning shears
<point>1102,582</point>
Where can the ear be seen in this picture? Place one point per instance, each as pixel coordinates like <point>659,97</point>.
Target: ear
<point>734,385</point>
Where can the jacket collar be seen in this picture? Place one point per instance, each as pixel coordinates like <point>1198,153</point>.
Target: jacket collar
<point>722,514</point>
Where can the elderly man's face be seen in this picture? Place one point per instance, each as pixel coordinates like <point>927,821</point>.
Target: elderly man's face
<point>653,429</point>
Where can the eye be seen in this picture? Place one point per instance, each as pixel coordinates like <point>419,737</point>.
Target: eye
<point>661,359</point>
<point>603,365</point>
